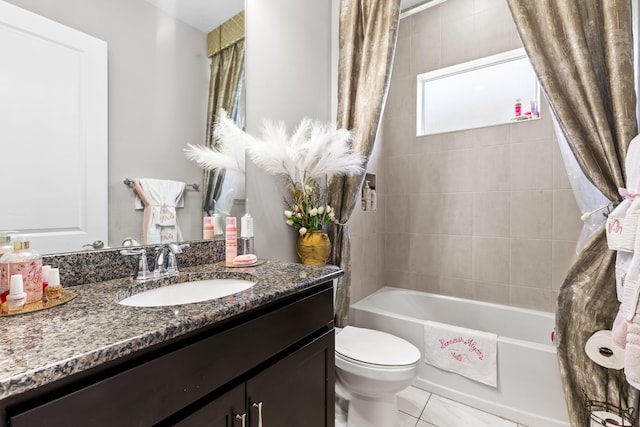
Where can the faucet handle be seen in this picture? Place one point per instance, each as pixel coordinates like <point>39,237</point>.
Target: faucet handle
<point>143,267</point>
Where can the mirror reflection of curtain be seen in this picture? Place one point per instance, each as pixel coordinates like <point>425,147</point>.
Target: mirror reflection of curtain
<point>226,90</point>
<point>582,53</point>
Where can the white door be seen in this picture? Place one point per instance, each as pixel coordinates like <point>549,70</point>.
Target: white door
<point>53,132</point>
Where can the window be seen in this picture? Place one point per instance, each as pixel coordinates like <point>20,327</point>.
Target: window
<point>477,94</point>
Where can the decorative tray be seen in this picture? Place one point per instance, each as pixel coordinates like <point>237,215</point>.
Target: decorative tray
<point>230,265</point>
<point>39,305</point>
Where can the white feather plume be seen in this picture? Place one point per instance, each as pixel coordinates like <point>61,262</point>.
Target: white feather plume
<point>229,152</point>
<point>314,151</point>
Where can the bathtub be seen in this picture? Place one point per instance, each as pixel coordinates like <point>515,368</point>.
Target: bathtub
<point>529,390</point>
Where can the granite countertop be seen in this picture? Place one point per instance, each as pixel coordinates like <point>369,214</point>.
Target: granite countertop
<point>40,347</point>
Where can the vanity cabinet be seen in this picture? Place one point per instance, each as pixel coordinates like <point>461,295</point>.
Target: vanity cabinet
<point>284,394</point>
<point>277,359</point>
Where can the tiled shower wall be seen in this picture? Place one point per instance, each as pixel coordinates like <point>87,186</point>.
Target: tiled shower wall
<point>486,213</point>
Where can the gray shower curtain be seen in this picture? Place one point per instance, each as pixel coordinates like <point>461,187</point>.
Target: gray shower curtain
<point>582,53</point>
<point>368,32</point>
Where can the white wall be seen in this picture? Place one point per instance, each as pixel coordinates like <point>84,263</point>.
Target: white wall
<point>288,77</point>
<point>158,84</point>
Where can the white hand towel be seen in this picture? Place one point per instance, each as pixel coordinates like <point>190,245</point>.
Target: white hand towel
<point>160,199</point>
<point>467,352</point>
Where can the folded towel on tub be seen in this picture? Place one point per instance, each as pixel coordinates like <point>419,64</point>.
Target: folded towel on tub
<point>467,352</point>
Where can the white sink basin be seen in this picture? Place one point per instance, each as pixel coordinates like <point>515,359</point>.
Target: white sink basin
<point>187,293</point>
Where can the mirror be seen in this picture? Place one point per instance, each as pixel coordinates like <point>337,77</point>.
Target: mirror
<point>158,84</point>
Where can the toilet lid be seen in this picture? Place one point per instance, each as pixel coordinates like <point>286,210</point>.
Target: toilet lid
<point>375,347</point>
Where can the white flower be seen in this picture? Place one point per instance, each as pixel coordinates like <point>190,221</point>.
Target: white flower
<point>302,231</point>
<point>290,222</point>
<point>329,209</point>
<point>332,215</point>
<point>308,188</point>
<point>313,212</point>
<point>288,214</point>
<point>299,215</point>
<point>321,210</point>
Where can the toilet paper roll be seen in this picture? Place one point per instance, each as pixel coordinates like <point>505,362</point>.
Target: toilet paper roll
<point>601,349</point>
<point>608,418</point>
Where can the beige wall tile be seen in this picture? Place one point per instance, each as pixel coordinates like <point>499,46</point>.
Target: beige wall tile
<point>426,255</point>
<point>398,136</point>
<point>531,263</point>
<point>492,214</point>
<point>425,214</point>
<point>455,43</point>
<point>491,135</point>
<point>456,256</point>
<point>425,283</point>
<point>402,58</point>
<point>532,165</point>
<point>398,175</point>
<point>457,214</point>
<point>455,287</point>
<point>531,214</point>
<point>456,173</point>
<point>398,214</point>
<point>532,298</point>
<point>396,252</point>
<point>566,216</point>
<point>425,173</point>
<point>490,292</point>
<point>564,254</point>
<point>491,260</point>
<point>491,168</point>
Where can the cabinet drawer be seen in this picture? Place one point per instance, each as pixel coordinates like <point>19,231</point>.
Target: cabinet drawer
<point>153,390</point>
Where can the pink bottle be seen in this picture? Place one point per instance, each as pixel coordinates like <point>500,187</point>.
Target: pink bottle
<point>27,263</point>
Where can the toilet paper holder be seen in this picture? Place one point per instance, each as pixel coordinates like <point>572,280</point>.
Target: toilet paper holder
<point>607,414</point>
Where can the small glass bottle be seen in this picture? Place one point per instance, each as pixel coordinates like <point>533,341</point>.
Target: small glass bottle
<point>5,244</point>
<point>218,229</point>
<point>45,277</point>
<point>54,290</point>
<point>27,262</point>
<point>17,296</point>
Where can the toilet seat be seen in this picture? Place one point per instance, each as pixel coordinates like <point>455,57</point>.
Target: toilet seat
<point>371,348</point>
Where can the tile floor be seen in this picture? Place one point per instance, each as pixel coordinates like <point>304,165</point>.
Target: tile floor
<point>420,408</point>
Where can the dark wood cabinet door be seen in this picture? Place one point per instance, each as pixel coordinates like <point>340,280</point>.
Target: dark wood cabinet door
<point>297,391</point>
<point>221,412</point>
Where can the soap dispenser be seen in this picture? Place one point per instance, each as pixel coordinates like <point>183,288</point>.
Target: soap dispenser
<point>27,262</point>
<point>246,231</point>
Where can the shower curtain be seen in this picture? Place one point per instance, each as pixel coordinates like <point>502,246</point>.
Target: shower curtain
<point>582,53</point>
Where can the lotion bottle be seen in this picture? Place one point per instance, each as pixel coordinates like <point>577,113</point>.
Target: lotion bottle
<point>26,262</point>
<point>367,196</point>
<point>246,231</point>
<point>231,240</point>
<point>207,228</point>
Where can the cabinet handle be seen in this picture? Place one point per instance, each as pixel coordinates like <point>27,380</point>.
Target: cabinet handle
<point>259,406</point>
<point>242,417</point>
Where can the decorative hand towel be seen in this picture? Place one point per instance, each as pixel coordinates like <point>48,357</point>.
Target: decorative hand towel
<point>616,239</point>
<point>470,353</point>
<point>160,199</point>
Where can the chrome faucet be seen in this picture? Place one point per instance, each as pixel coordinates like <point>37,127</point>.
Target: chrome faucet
<point>171,249</point>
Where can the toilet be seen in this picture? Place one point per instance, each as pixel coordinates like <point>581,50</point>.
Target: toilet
<point>371,368</point>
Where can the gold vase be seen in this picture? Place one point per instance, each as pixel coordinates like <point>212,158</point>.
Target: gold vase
<point>314,248</point>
